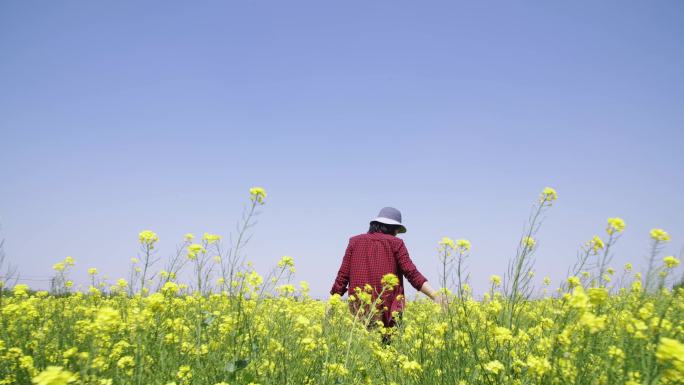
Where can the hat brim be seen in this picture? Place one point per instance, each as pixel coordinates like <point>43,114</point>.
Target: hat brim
<point>389,221</point>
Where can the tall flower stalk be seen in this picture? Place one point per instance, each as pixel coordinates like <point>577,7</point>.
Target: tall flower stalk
<point>659,238</point>
<point>517,280</point>
<point>233,262</point>
<point>147,240</point>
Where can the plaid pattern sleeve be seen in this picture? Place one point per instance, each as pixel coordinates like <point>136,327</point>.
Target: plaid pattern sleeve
<point>340,285</point>
<point>408,269</point>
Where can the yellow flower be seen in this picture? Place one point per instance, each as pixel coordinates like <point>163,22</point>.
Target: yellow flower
<point>107,318</point>
<point>189,237</point>
<point>92,271</point>
<point>184,372</point>
<point>615,225</point>
<point>597,295</point>
<point>502,334</point>
<point>211,238</point>
<point>286,261</point>
<point>59,266</point>
<point>596,244</point>
<point>495,280</point>
<point>548,195</point>
<point>573,281</point>
<point>494,366</point>
<point>336,369</point>
<point>148,238</point>
<point>634,378</point>
<point>170,288</point>
<point>125,362</point>
<point>615,352</point>
<point>660,235</point>
<point>579,299</point>
<point>122,283</point>
<point>547,281</point>
<point>671,351</point>
<point>257,194</point>
<point>195,249</point>
<point>671,262</point>
<point>54,375</point>
<point>446,244</point>
<point>285,289</point>
<point>538,365</point>
<point>628,266</point>
<point>389,281</point>
<point>411,367</point>
<point>254,279</point>
<point>463,244</point>
<point>529,242</point>
<point>592,322</point>
<point>69,261</point>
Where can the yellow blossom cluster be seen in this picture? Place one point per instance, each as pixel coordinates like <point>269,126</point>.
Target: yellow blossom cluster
<point>257,194</point>
<point>660,235</point>
<point>148,238</point>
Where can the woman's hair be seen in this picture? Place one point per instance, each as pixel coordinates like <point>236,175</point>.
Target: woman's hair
<point>377,227</point>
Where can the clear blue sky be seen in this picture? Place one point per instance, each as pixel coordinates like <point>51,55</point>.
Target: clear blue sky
<point>122,116</point>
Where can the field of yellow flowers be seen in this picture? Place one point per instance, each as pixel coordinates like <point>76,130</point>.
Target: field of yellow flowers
<point>230,325</point>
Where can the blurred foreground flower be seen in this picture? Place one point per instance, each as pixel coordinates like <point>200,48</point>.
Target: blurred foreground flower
<point>389,281</point>
<point>54,375</point>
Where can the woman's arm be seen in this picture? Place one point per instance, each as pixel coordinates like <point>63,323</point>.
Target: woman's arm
<point>408,269</point>
<point>434,295</point>
<point>414,277</point>
<point>429,291</point>
<point>342,279</point>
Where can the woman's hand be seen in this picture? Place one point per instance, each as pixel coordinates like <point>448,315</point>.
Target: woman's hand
<point>436,296</point>
<point>442,300</point>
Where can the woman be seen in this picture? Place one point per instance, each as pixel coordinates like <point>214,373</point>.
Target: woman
<point>379,252</point>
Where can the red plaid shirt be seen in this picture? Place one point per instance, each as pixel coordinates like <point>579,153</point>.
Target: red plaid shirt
<point>370,256</point>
